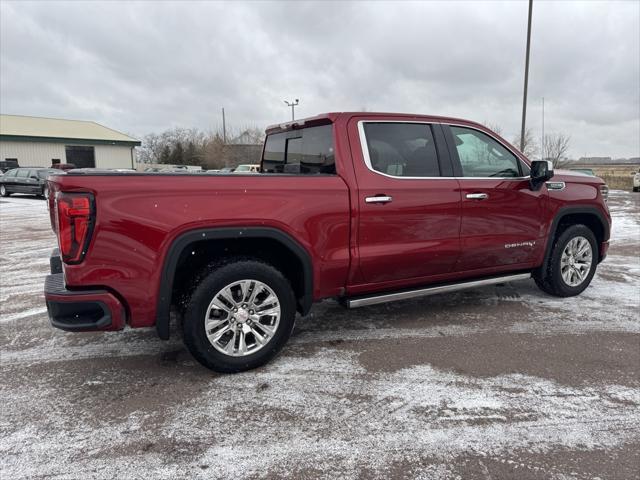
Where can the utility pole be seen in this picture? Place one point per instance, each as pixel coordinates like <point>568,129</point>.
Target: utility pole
<point>293,106</point>
<point>542,143</point>
<point>224,128</point>
<point>526,78</point>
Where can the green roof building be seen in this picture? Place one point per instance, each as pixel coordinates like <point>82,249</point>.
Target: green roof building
<point>42,142</point>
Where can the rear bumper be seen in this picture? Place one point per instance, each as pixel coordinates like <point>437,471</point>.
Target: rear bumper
<point>81,310</point>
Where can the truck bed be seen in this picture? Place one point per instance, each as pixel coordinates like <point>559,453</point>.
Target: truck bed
<point>139,215</point>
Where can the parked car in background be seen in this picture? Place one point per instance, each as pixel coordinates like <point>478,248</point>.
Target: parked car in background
<point>27,180</point>
<point>247,169</point>
<point>227,170</point>
<point>586,171</point>
<point>91,170</point>
<point>7,164</point>
<point>636,181</point>
<point>174,169</point>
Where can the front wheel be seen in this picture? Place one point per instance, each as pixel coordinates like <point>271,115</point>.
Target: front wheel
<point>574,257</point>
<point>3,191</point>
<point>239,315</point>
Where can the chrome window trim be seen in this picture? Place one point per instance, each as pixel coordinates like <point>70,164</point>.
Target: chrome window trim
<point>367,159</point>
<point>365,149</point>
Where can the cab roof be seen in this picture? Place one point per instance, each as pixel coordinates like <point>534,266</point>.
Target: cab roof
<point>331,117</point>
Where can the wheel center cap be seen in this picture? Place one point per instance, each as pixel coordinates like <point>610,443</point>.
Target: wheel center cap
<point>242,315</point>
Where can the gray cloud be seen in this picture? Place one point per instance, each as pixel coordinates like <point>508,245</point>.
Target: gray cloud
<point>142,67</point>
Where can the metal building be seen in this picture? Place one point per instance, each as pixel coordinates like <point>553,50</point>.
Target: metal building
<point>42,142</point>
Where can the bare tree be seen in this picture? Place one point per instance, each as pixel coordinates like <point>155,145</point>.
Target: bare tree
<point>214,151</point>
<point>530,144</point>
<point>195,147</point>
<point>556,146</point>
<point>164,155</point>
<point>151,149</point>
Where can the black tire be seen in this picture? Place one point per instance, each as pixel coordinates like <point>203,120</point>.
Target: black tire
<point>551,281</point>
<point>636,189</point>
<point>3,191</point>
<point>215,277</point>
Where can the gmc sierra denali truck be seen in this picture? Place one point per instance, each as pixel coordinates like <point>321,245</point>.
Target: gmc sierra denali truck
<point>362,207</point>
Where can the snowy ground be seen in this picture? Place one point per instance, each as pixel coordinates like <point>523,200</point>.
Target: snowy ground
<point>500,382</point>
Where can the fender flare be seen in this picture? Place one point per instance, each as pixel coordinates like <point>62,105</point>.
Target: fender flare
<point>572,210</point>
<point>225,233</point>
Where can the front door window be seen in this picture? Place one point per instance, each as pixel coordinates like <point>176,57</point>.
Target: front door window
<point>482,156</point>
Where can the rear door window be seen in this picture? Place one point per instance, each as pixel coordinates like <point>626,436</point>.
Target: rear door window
<point>11,173</point>
<point>307,151</point>
<point>402,149</point>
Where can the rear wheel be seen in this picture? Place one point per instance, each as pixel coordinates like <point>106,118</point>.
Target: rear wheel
<point>573,261</point>
<point>239,315</point>
<point>3,191</point>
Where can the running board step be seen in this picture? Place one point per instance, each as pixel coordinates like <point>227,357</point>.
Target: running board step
<point>356,302</point>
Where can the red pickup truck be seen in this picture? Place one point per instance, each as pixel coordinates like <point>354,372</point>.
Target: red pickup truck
<point>362,207</point>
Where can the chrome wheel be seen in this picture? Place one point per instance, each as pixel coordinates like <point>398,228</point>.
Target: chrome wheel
<point>576,260</point>
<point>242,318</point>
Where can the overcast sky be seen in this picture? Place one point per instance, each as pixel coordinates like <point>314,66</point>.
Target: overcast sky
<point>145,67</point>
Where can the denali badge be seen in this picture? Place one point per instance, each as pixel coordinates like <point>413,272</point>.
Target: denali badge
<point>528,243</point>
<point>555,185</point>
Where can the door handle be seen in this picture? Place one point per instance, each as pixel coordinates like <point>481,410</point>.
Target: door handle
<point>477,196</point>
<point>378,199</point>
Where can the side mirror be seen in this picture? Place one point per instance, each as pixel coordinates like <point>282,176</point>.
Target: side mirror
<point>541,171</point>
<point>35,177</point>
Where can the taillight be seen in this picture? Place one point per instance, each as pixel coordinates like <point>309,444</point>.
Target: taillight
<point>604,191</point>
<point>51,206</point>
<point>74,217</point>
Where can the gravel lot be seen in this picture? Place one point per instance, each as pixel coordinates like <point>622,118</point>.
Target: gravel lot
<point>499,382</point>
